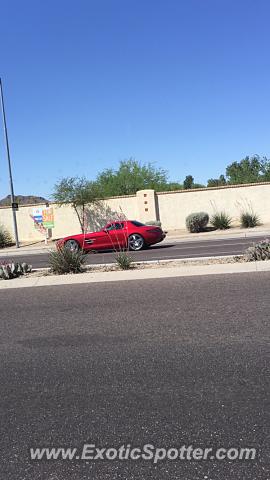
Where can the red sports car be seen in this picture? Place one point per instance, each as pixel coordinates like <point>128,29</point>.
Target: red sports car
<point>116,235</point>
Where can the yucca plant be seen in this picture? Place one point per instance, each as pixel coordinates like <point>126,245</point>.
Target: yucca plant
<point>249,220</point>
<point>5,237</point>
<point>123,260</point>
<point>63,260</point>
<point>221,220</point>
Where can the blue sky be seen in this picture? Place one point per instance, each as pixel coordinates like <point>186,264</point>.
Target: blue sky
<point>184,84</point>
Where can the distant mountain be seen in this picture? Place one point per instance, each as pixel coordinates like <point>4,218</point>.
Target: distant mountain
<point>22,200</point>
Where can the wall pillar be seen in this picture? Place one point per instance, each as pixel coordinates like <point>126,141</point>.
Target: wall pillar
<point>147,205</point>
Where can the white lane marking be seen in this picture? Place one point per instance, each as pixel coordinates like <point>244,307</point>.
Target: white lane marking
<point>206,246</point>
<point>194,255</point>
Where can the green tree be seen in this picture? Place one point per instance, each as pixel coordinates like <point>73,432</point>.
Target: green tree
<point>130,177</point>
<point>198,185</point>
<point>217,182</point>
<point>248,170</point>
<point>171,186</point>
<point>78,192</point>
<point>188,182</point>
<point>265,169</point>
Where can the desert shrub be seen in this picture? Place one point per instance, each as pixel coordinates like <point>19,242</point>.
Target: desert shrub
<point>123,260</point>
<point>249,220</point>
<point>221,220</point>
<point>258,251</point>
<point>5,237</point>
<point>63,260</point>
<point>154,222</point>
<point>196,222</point>
<point>10,270</point>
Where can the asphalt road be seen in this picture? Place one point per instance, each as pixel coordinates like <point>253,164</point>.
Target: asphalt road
<point>162,251</point>
<point>167,362</point>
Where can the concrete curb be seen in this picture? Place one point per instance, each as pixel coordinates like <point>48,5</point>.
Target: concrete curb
<point>166,272</point>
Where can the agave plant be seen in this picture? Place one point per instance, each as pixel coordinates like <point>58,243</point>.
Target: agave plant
<point>259,251</point>
<point>9,270</point>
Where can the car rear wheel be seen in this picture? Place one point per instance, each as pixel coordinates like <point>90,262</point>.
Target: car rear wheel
<point>135,242</point>
<point>72,245</point>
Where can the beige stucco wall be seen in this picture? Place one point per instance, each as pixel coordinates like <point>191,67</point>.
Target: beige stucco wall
<point>25,223</point>
<point>170,207</point>
<point>66,221</point>
<point>174,207</point>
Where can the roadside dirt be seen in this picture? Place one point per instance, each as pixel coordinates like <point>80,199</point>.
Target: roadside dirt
<point>143,266</point>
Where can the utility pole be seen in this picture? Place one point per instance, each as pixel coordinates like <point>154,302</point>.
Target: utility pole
<point>13,206</point>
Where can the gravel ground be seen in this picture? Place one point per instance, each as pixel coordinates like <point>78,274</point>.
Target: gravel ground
<point>143,266</point>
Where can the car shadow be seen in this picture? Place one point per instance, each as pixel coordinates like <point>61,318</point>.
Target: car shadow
<point>152,247</point>
<point>157,247</point>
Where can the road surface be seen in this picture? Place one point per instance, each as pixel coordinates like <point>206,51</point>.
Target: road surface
<point>162,251</point>
<point>164,362</point>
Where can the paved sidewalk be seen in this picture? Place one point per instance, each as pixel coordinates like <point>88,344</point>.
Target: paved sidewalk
<point>162,272</point>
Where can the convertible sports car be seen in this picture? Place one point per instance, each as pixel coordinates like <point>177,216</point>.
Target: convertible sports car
<point>116,235</point>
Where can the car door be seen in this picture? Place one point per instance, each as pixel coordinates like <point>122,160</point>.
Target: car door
<point>96,241</point>
<point>116,235</point>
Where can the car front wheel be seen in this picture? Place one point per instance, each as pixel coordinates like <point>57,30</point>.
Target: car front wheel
<point>72,245</point>
<point>135,242</point>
